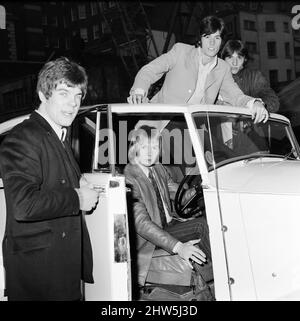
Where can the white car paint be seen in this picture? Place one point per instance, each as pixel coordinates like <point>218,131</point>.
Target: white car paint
<point>113,276</point>
<point>252,210</point>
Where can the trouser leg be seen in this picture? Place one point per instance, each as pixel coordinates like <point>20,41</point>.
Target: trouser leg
<point>196,228</point>
<point>191,230</point>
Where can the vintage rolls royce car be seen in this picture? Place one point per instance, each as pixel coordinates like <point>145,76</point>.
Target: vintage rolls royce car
<point>247,178</point>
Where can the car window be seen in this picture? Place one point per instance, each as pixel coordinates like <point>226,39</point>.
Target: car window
<point>176,147</point>
<point>83,139</point>
<point>2,136</point>
<point>235,137</point>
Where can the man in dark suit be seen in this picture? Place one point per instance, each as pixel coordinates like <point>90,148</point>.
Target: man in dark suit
<point>46,246</point>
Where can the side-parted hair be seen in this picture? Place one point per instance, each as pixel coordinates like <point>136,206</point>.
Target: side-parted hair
<point>143,132</point>
<point>61,70</point>
<point>208,26</point>
<point>232,46</point>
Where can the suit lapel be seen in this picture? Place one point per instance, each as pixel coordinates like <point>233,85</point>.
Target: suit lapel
<point>192,63</point>
<point>212,77</point>
<point>66,152</point>
<point>71,158</point>
<point>163,189</point>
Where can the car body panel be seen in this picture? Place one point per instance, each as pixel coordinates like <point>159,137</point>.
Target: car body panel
<point>257,176</point>
<point>111,268</point>
<point>273,240</point>
<point>251,208</point>
<point>2,228</point>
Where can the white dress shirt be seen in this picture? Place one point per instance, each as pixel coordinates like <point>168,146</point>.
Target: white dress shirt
<point>60,132</point>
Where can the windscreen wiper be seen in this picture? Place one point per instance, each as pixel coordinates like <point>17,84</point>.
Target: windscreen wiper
<point>98,107</point>
<point>291,152</point>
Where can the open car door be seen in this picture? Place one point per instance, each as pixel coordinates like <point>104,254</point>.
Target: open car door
<point>2,228</point>
<point>107,224</point>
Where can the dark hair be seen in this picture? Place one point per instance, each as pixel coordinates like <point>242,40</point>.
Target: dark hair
<point>61,70</point>
<point>237,46</point>
<point>208,26</point>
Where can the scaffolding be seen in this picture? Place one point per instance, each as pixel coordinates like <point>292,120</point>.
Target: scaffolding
<point>128,33</point>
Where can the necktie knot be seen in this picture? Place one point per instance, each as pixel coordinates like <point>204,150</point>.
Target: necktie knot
<point>151,174</point>
<point>63,134</point>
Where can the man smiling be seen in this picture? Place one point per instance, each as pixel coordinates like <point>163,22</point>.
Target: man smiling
<point>195,75</point>
<point>46,246</point>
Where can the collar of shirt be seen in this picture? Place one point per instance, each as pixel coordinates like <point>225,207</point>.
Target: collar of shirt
<point>203,71</point>
<point>54,126</point>
<point>210,65</point>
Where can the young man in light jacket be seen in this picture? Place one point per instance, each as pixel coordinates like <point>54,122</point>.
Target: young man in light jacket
<point>195,75</point>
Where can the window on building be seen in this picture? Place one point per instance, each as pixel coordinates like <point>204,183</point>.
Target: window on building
<point>249,25</point>
<point>273,74</point>
<point>68,43</point>
<point>54,21</point>
<point>44,20</point>
<point>94,8</point>
<point>46,43</point>
<point>253,5</point>
<point>286,27</point>
<point>56,42</point>
<point>297,51</point>
<point>288,74</point>
<point>287,50</point>
<point>271,45</point>
<point>251,46</point>
<point>65,22</point>
<point>73,14</point>
<point>270,26</point>
<point>81,11</point>
<point>111,4</point>
<point>229,26</point>
<point>15,99</point>
<point>84,34</point>
<point>283,6</point>
<point>105,27</point>
<point>96,32</point>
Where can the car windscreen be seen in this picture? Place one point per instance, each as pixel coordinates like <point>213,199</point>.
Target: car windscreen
<point>176,147</point>
<point>228,137</point>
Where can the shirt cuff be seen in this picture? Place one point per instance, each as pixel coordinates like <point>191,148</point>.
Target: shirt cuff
<point>252,101</point>
<point>175,249</point>
<point>139,91</point>
<point>80,197</point>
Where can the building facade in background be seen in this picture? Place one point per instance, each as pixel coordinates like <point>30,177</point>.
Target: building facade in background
<point>113,39</point>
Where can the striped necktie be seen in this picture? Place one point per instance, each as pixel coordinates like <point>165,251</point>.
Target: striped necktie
<point>159,199</point>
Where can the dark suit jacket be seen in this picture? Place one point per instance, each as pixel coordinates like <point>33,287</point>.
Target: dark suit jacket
<point>46,247</point>
<point>255,84</point>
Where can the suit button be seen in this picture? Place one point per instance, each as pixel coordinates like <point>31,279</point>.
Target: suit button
<point>63,181</point>
<point>63,235</point>
<point>190,90</point>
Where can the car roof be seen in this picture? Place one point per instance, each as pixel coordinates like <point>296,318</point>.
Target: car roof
<point>153,108</point>
<point>183,108</point>
<point>9,124</point>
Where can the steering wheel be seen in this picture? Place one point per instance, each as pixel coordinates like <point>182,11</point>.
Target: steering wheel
<point>196,203</point>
